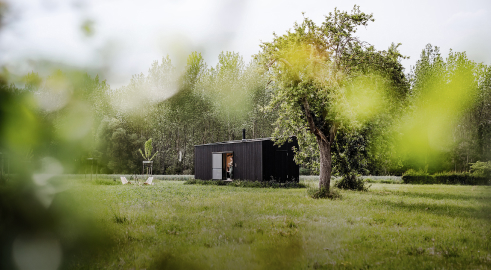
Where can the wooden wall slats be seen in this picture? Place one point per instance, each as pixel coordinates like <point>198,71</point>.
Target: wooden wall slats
<point>253,160</point>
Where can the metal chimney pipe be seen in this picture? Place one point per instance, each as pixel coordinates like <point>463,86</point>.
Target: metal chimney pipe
<point>243,134</point>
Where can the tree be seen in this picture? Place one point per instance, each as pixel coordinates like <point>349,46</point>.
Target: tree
<point>449,97</point>
<point>326,80</point>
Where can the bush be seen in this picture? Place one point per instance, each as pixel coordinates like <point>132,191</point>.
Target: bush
<point>304,171</point>
<point>205,182</point>
<point>245,183</point>
<point>173,170</point>
<point>352,182</point>
<point>482,169</point>
<point>417,177</point>
<point>323,193</point>
<point>449,178</point>
<point>454,178</point>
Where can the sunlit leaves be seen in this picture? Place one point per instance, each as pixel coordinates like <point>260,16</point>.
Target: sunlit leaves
<point>361,99</point>
<point>442,92</point>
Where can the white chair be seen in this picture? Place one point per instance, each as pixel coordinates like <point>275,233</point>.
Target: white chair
<point>149,181</point>
<point>124,181</point>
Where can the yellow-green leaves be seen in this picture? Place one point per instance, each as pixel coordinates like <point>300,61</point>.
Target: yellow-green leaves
<point>442,95</point>
<point>75,122</point>
<point>21,126</point>
<point>361,99</point>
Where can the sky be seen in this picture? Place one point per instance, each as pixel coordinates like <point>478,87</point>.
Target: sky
<point>123,37</point>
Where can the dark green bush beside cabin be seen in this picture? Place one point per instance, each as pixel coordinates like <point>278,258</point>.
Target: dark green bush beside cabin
<point>253,159</point>
<point>247,184</point>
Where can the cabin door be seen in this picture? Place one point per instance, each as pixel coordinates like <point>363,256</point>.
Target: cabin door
<point>281,166</point>
<point>218,165</point>
<point>222,165</point>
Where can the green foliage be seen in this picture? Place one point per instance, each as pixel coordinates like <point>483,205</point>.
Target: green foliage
<point>482,169</point>
<point>417,177</point>
<point>440,126</point>
<point>304,171</point>
<point>453,178</point>
<point>323,193</point>
<point>196,105</point>
<point>449,178</point>
<point>352,182</point>
<point>250,184</point>
<point>43,130</point>
<point>117,148</point>
<point>148,150</point>
<point>174,169</point>
<point>350,159</point>
<point>324,80</point>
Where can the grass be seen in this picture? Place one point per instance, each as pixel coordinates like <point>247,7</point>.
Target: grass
<point>175,226</point>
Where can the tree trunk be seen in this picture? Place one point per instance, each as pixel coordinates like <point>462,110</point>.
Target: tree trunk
<point>324,147</point>
<point>325,163</point>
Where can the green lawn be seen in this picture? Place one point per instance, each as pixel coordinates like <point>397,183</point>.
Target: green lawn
<point>175,226</point>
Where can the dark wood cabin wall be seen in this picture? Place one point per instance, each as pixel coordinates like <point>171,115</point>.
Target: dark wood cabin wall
<point>268,160</point>
<point>247,160</point>
<point>269,150</point>
<point>202,163</point>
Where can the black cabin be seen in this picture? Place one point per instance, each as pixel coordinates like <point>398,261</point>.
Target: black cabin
<point>254,159</point>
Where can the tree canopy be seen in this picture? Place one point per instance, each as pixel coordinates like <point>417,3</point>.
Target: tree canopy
<point>325,79</point>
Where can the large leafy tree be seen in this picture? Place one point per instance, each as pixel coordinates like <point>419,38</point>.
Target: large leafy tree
<point>327,80</point>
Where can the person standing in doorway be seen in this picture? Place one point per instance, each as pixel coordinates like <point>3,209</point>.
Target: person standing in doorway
<point>231,169</point>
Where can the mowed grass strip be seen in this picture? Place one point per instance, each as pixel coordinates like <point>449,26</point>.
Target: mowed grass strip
<point>176,226</point>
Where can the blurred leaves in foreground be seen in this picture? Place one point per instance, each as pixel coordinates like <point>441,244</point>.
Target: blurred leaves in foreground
<point>43,130</point>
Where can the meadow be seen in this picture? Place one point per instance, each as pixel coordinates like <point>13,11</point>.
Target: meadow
<point>171,225</point>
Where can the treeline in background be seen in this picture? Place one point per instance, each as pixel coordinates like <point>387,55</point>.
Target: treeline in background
<point>197,104</point>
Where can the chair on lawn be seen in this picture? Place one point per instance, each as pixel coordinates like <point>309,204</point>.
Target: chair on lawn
<point>124,181</point>
<point>149,181</point>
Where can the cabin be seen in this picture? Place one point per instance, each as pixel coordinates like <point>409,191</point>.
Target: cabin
<point>246,159</point>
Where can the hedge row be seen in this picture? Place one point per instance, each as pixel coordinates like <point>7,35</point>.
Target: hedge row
<point>449,178</point>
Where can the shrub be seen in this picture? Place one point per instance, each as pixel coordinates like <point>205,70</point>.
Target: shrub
<point>455,178</point>
<point>449,178</point>
<point>482,169</point>
<point>352,182</point>
<point>191,182</point>
<point>417,177</point>
<point>323,193</point>
<point>205,182</point>
<point>304,171</point>
<point>245,183</point>
<point>173,170</point>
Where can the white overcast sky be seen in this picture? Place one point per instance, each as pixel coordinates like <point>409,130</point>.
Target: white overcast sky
<point>130,34</point>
